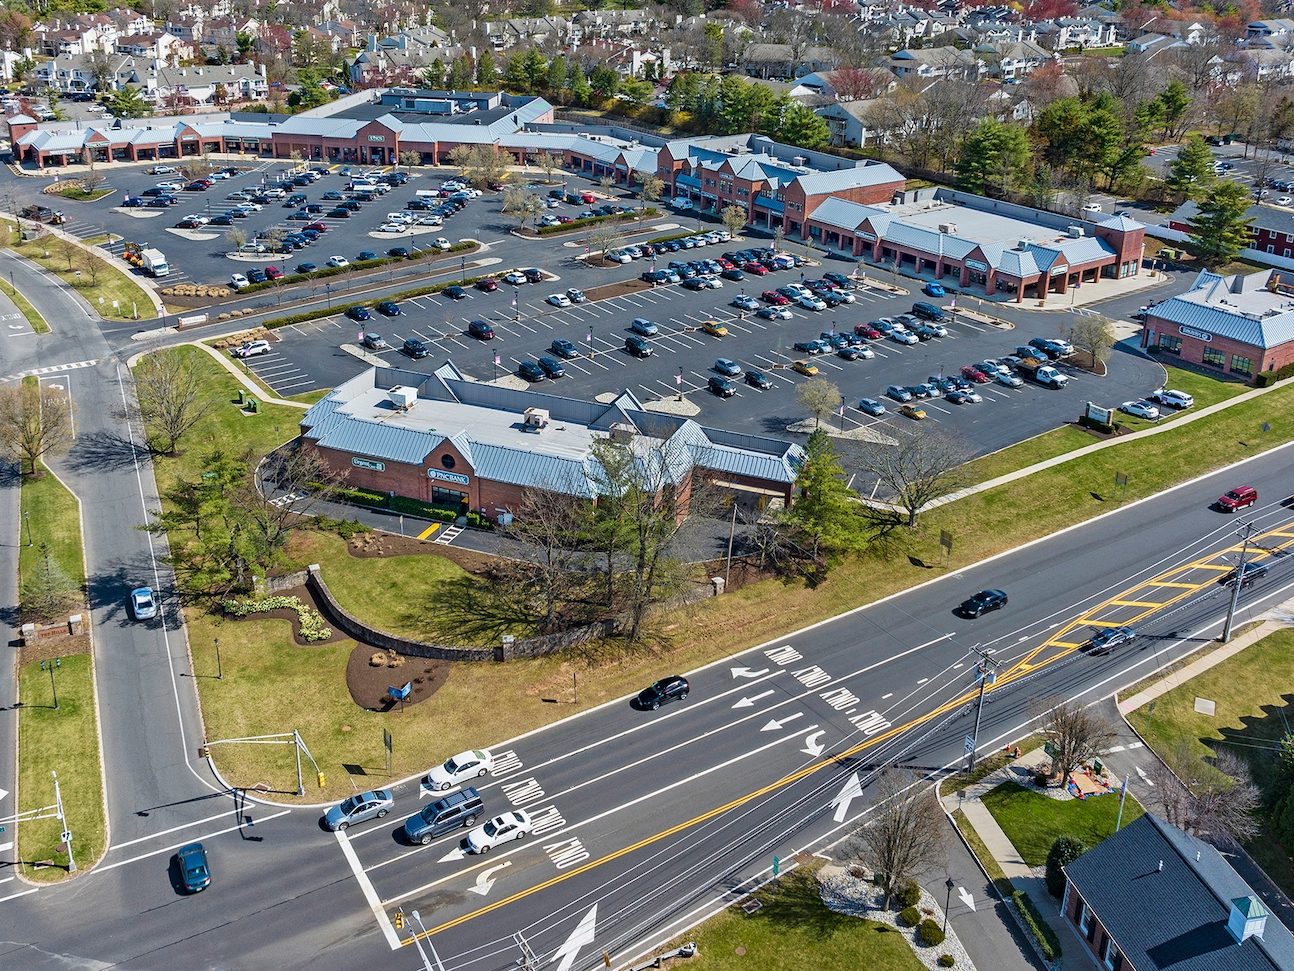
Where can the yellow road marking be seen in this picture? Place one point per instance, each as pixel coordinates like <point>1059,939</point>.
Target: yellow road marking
<point>429,530</point>
<point>1022,668</point>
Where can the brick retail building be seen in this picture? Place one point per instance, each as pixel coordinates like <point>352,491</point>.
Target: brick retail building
<point>1239,325</point>
<point>466,445</point>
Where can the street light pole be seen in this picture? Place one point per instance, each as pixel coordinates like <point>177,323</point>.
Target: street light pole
<point>440,965</point>
<point>987,670</point>
<point>50,666</point>
<point>948,901</point>
<point>67,833</point>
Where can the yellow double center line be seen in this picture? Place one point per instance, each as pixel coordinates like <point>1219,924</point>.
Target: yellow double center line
<point>1213,565</point>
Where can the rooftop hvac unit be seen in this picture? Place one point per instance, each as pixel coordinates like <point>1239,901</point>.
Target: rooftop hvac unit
<point>1076,232</point>
<point>622,433</point>
<point>1023,245</point>
<point>948,229</point>
<point>402,397</point>
<point>534,419</point>
<point>798,161</point>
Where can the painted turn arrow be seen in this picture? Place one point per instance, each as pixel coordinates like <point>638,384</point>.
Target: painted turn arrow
<point>812,746</point>
<point>749,702</point>
<point>483,880</point>
<point>775,723</point>
<point>965,896</point>
<point>853,789</point>
<point>747,673</point>
<point>454,854</point>
<point>583,934</point>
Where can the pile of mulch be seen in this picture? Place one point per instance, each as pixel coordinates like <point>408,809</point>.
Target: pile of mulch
<point>375,544</point>
<point>368,684</point>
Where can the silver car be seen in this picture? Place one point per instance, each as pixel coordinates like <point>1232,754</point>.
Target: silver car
<point>360,808</point>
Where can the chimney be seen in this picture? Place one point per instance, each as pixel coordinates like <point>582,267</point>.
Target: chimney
<point>1248,918</point>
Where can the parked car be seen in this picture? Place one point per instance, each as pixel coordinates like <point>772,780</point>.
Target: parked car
<point>389,308</point>
<point>338,261</point>
<point>359,312</point>
<point>933,289</point>
<point>1140,409</point>
<point>481,330</point>
<point>415,348</point>
<point>928,311</point>
<point>871,406</point>
<point>559,300</point>
<point>727,367</point>
<point>359,808</point>
<point>643,326</point>
<point>531,371</point>
<point>551,366</point>
<point>775,313</point>
<point>758,379</point>
<point>982,603</point>
<point>744,301</point>
<point>564,348</point>
<point>807,368</point>
<point>1174,399</point>
<point>638,346</point>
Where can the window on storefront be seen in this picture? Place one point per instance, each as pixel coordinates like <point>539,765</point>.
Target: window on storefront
<point>1111,956</point>
<point>1170,345</point>
<point>448,498</point>
<point>1214,357</point>
<point>1242,365</point>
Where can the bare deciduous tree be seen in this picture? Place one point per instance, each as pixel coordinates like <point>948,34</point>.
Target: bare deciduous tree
<point>916,471</point>
<point>1093,336</point>
<point>1217,802</point>
<point>904,837</point>
<point>171,400</point>
<point>549,162</point>
<point>523,206</point>
<point>237,237</point>
<point>819,397</point>
<point>1077,734</point>
<point>35,420</point>
<point>604,237</point>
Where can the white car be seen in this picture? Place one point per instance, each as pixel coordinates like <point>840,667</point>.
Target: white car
<point>249,206</point>
<point>1140,409</point>
<point>441,243</point>
<point>501,829</point>
<point>252,248</point>
<point>162,170</point>
<point>199,219</point>
<point>712,282</point>
<point>799,289</point>
<point>576,295</point>
<point>1284,201</point>
<point>393,228</point>
<point>399,217</point>
<point>777,313</point>
<point>904,337</point>
<point>1175,399</point>
<point>516,278</point>
<point>170,186</point>
<point>456,771</point>
<point>810,302</point>
<point>238,195</point>
<point>723,234</point>
<point>429,219</point>
<point>238,281</point>
<point>844,296</point>
<point>1010,380</point>
<point>338,261</point>
<point>251,349</point>
<point>619,256</point>
<point>682,204</point>
<point>559,300</point>
<point>865,353</point>
<point>1093,207</point>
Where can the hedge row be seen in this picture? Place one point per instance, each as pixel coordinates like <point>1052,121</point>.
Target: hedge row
<point>405,506</point>
<point>1037,924</point>
<point>313,627</point>
<point>577,224</point>
<point>327,271</point>
<point>1267,378</point>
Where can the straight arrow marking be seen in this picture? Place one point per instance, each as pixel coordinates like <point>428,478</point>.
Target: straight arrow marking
<point>775,723</point>
<point>853,789</point>
<point>749,702</point>
<point>583,934</point>
<point>965,897</point>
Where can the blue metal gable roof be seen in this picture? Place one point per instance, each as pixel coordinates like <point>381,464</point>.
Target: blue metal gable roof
<point>1265,333</point>
<point>380,441</point>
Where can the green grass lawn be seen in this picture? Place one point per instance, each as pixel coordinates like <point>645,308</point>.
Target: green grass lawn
<point>1048,445</point>
<point>1205,389</point>
<point>34,318</point>
<point>65,740</point>
<point>1252,692</point>
<point>110,284</point>
<point>51,517</point>
<point>77,194</point>
<point>310,397</point>
<point>795,931</point>
<point>1032,821</point>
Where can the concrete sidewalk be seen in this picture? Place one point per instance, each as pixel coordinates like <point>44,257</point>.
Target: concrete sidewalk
<point>1074,956</point>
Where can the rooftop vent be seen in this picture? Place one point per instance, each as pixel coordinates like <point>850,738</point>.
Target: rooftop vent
<point>402,397</point>
<point>798,161</point>
<point>1248,918</point>
<point>1076,232</point>
<point>1023,245</point>
<point>948,229</point>
<point>534,419</point>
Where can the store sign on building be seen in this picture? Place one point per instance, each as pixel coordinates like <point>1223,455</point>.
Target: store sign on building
<point>368,464</point>
<point>1199,335</point>
<point>377,138</point>
<point>976,265</point>
<point>453,477</point>
<point>1058,270</point>
<point>870,237</point>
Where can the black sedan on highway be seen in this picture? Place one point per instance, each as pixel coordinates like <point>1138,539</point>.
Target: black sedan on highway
<point>673,688</point>
<point>982,603</point>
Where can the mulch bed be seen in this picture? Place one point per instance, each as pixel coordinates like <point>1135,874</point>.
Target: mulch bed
<point>55,645</point>
<point>609,290</point>
<point>377,544</point>
<point>368,683</point>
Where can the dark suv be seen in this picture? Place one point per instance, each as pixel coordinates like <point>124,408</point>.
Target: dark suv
<point>451,812</point>
<point>1252,571</point>
<point>673,688</point>
<point>928,311</point>
<point>982,602</point>
<point>637,346</point>
<point>481,330</point>
<point>415,348</point>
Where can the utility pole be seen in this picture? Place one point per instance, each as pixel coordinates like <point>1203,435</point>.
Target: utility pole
<point>1245,532</point>
<point>732,530</point>
<point>66,835</point>
<point>527,961</point>
<point>986,670</point>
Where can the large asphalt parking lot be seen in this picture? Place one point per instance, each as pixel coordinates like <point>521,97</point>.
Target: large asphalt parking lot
<point>308,355</point>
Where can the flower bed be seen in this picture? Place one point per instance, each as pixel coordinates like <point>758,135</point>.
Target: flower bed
<point>313,628</point>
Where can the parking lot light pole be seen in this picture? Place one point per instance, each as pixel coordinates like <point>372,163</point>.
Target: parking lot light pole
<point>680,384</point>
<point>948,901</point>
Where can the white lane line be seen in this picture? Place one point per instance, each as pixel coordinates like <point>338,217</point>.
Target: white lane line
<point>175,846</point>
<point>153,836</point>
<point>366,887</point>
<point>21,893</point>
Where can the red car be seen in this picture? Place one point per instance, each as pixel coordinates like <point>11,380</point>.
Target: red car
<point>273,273</point>
<point>488,285</point>
<point>972,373</point>
<point>867,330</point>
<point>566,219</point>
<point>758,269</point>
<point>726,264</point>
<point>318,227</point>
<point>775,298</point>
<point>588,198</point>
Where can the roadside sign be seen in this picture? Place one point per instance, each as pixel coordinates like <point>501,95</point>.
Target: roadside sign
<point>386,739</point>
<point>777,866</point>
<point>946,540</point>
<point>968,744</point>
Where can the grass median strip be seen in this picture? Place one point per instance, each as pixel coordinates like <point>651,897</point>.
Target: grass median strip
<point>112,293</point>
<point>34,318</point>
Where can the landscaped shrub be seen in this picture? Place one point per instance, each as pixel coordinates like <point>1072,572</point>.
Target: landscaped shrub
<point>1064,850</point>
<point>311,621</point>
<point>946,961</point>
<point>910,917</point>
<point>909,895</point>
<point>929,933</point>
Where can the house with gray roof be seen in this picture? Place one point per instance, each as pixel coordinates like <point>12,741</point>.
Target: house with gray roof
<point>1240,325</point>
<point>1153,898</point>
<point>465,444</point>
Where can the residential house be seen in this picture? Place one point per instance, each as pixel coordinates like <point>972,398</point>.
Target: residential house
<point>1270,33</point>
<point>163,47</point>
<point>1271,228</point>
<point>1153,898</point>
<point>1014,60</point>
<point>778,61</point>
<point>1070,33</point>
<point>606,24</point>
<point>625,57</point>
<point>1264,64</point>
<point>849,123</point>
<point>936,62</point>
<point>1153,43</point>
<point>825,83</point>
<point>187,27</point>
<point>224,31</point>
<point>504,34</point>
<point>202,85</point>
<point>401,58</point>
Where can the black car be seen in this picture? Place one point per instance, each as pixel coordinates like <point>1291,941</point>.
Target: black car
<point>481,330</point>
<point>552,367</point>
<point>455,292</point>
<point>367,254</point>
<point>721,386</point>
<point>530,371</point>
<point>358,312</point>
<point>307,267</point>
<point>564,348</point>
<point>695,283</point>
<point>758,379</point>
<point>389,308</point>
<point>132,202</point>
<point>673,688</point>
<point>1108,638</point>
<point>533,275</point>
<point>982,602</point>
<point>1252,571</point>
<point>415,348</point>
<point>224,219</point>
<point>256,275</point>
<point>400,252</point>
